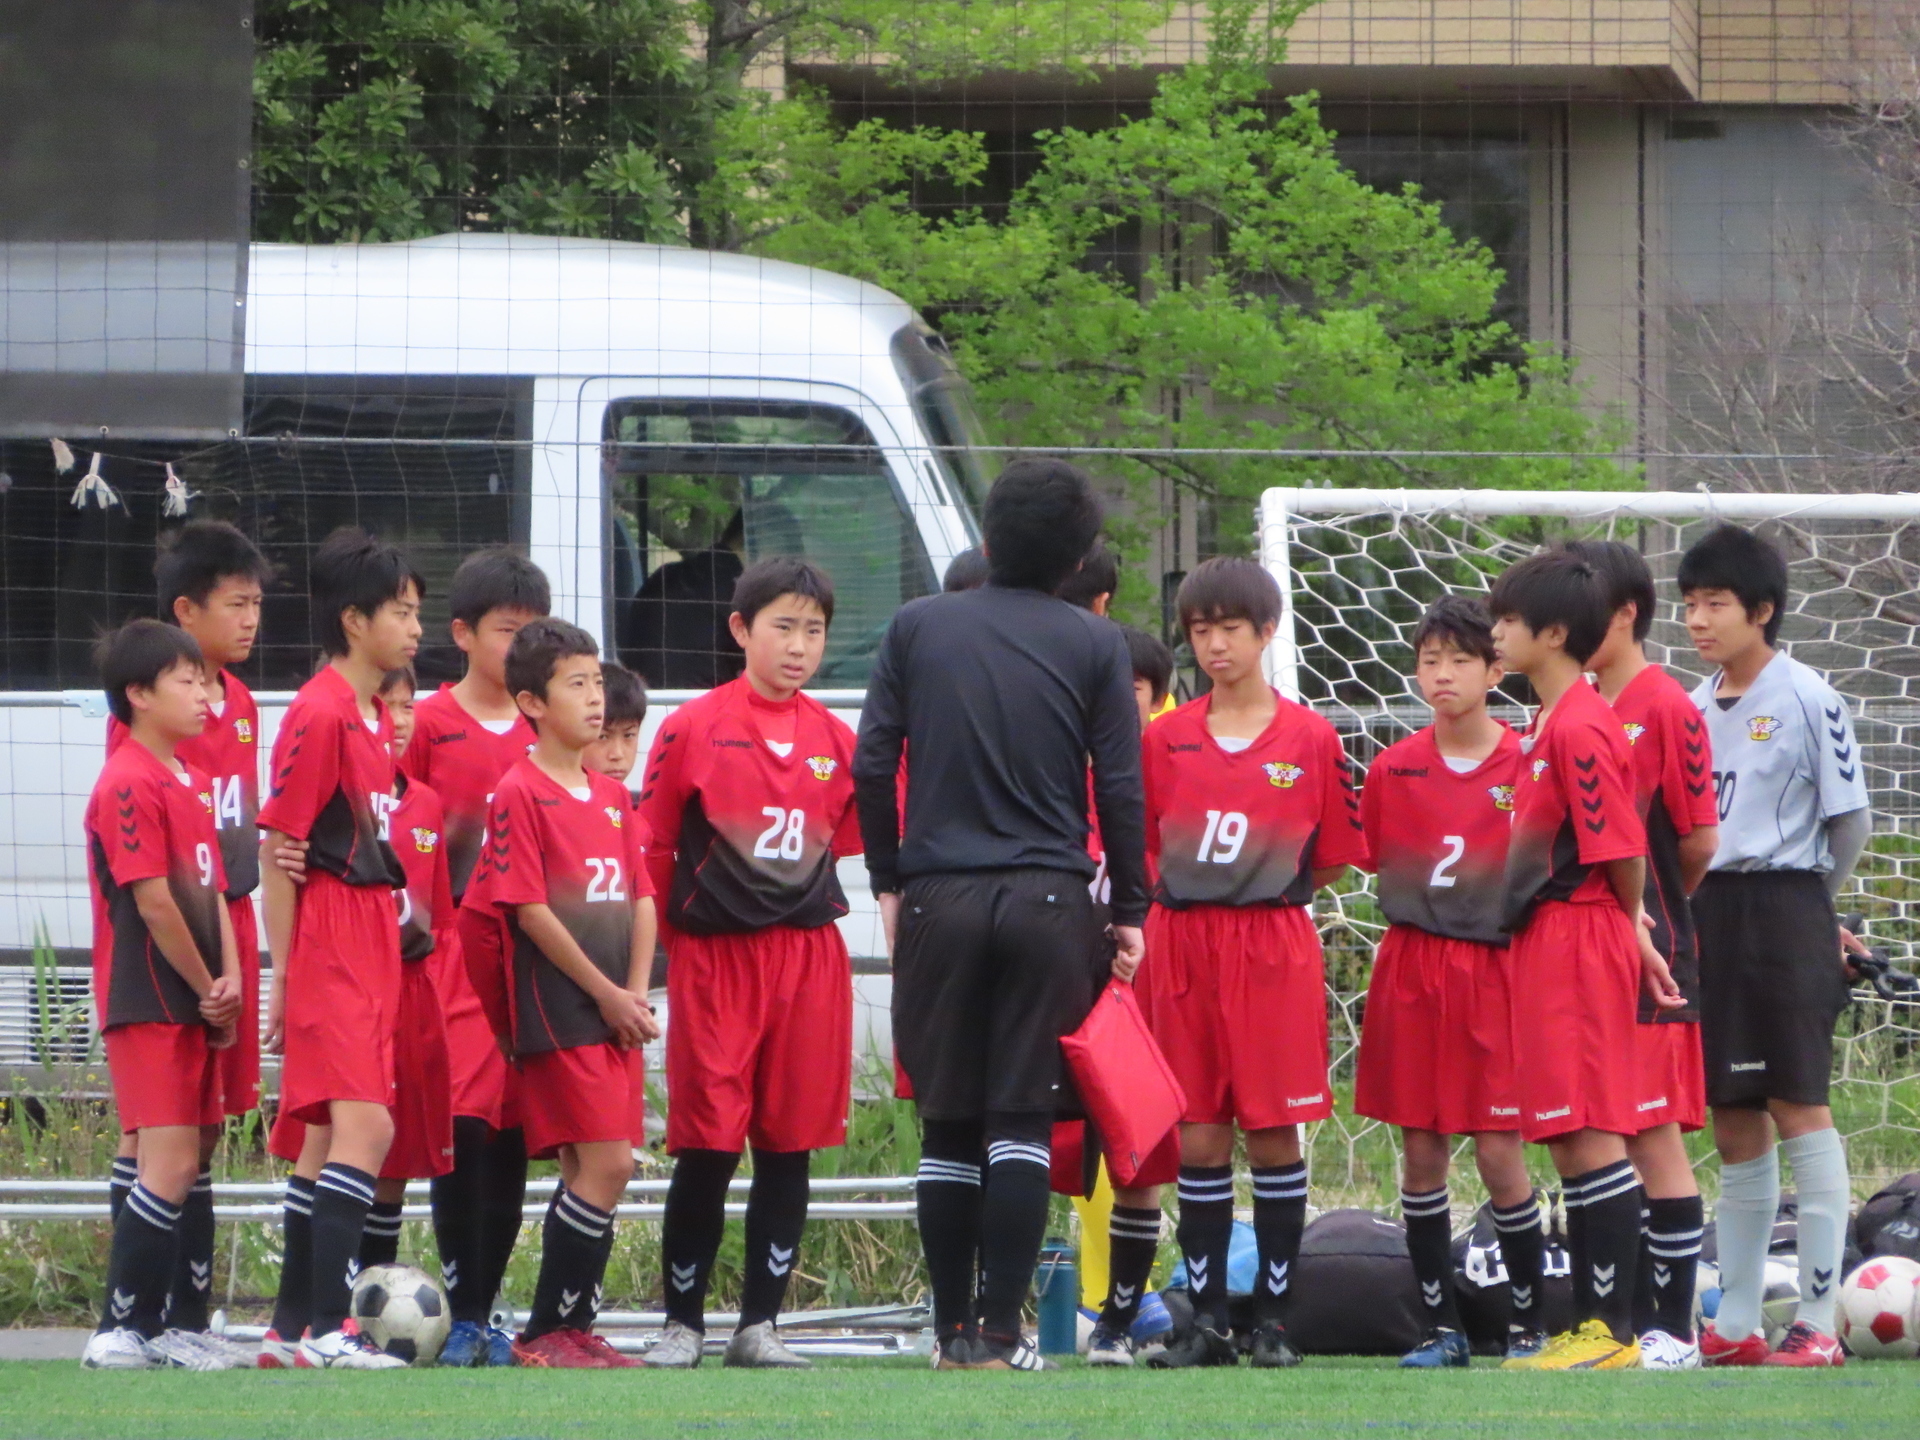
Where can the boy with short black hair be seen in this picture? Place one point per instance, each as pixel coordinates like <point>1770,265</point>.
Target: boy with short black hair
<point>1574,880</point>
<point>1093,585</point>
<point>165,979</point>
<point>335,946</point>
<point>1436,1047</point>
<point>618,747</point>
<point>1793,811</point>
<point>565,871</point>
<point>759,986</point>
<point>1250,809</point>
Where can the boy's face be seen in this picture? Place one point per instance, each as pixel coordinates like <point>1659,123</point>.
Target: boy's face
<point>486,643</point>
<point>785,642</point>
<point>615,751</point>
<point>1453,681</point>
<point>388,638</point>
<point>226,623</point>
<point>574,708</point>
<point>1144,697</point>
<point>1523,650</point>
<point>1228,650</point>
<point>176,703</point>
<point>399,701</point>
<point>1720,626</point>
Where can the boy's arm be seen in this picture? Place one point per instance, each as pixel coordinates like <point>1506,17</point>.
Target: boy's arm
<point>1847,836</point>
<point>663,800</point>
<point>646,934</point>
<point>1119,788</point>
<point>619,1007</point>
<point>1697,848</point>
<point>279,894</point>
<point>876,768</point>
<point>221,1007</point>
<point>160,913</point>
<point>1340,839</point>
<point>1628,880</point>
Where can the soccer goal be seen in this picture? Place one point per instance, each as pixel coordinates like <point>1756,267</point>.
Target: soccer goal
<point>1357,567</point>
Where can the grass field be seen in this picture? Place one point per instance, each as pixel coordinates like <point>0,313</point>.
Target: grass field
<point>903,1399</point>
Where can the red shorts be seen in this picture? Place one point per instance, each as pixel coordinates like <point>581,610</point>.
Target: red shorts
<point>240,1062</point>
<point>343,997</point>
<point>1436,1045</point>
<point>1576,993</point>
<point>1237,997</point>
<point>163,1075</point>
<point>759,1040</point>
<point>1673,1077</point>
<point>582,1094</point>
<point>484,1085</point>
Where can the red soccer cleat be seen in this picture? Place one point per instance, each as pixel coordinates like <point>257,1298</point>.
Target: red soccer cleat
<point>1753,1350</point>
<point>596,1348</point>
<point>1807,1346</point>
<point>555,1350</point>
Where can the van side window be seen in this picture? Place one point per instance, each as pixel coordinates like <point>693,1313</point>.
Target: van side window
<point>699,489</point>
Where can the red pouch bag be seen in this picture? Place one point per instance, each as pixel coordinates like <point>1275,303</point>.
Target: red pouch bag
<point>1124,1081</point>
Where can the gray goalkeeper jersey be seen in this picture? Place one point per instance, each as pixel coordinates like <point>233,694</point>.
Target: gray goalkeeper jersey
<point>1785,761</point>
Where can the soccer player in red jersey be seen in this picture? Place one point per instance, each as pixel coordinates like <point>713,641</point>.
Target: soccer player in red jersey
<point>467,736</point>
<point>1436,1046</point>
<point>1575,876</point>
<point>336,983</point>
<point>165,976</point>
<point>209,580</point>
<point>1250,809</point>
<point>1673,774</point>
<point>618,748</point>
<point>565,870</point>
<point>749,798</point>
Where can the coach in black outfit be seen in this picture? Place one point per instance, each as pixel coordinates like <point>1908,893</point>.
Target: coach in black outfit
<point>1000,696</point>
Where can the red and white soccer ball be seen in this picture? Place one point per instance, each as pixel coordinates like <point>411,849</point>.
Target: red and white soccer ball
<point>1880,1309</point>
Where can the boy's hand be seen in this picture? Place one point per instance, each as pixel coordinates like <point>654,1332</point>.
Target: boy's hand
<point>1130,948</point>
<point>274,1040</point>
<point>222,1037</point>
<point>889,918</point>
<point>628,1016</point>
<point>220,1006</point>
<point>1654,972</point>
<point>292,858</point>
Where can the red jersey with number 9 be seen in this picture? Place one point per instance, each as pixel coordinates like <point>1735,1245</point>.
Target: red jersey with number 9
<point>332,783</point>
<point>1247,828</point>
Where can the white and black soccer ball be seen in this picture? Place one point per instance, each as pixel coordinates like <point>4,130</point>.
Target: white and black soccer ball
<point>1880,1309</point>
<point>1780,1301</point>
<point>403,1312</point>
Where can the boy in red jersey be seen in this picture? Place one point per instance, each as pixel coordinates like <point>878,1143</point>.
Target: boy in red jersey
<point>468,735</point>
<point>565,870</point>
<point>618,748</point>
<point>1250,809</point>
<point>1575,876</point>
<point>165,977</point>
<point>336,948</point>
<point>749,798</point>
<point>209,580</point>
<point>1436,1046</point>
<point>1673,773</point>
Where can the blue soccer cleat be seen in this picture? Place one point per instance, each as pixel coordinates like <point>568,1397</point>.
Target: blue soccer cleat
<point>499,1348</point>
<point>1443,1349</point>
<point>466,1345</point>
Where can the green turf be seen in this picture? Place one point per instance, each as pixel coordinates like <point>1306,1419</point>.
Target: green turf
<point>899,1399</point>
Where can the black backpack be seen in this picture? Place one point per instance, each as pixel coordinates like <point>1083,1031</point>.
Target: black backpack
<point>1889,1223</point>
<point>1480,1283</point>
<point>1353,1288</point>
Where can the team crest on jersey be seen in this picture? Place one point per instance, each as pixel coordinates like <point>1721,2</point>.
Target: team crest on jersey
<point>243,731</point>
<point>1762,727</point>
<point>1539,768</point>
<point>1502,796</point>
<point>613,814</point>
<point>424,840</point>
<point>1280,773</point>
<point>207,800</point>
<point>1634,732</point>
<point>822,766</point>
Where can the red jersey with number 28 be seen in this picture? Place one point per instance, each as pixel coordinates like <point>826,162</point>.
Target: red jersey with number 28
<point>462,760</point>
<point>1247,828</point>
<point>332,783</point>
<point>1437,837</point>
<point>426,900</point>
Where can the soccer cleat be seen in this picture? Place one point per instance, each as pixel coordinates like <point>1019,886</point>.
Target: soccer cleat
<point>119,1349</point>
<point>1526,1349</point>
<point>1753,1350</point>
<point>1196,1347</point>
<point>953,1351</point>
<point>499,1351</point>
<point>466,1346</point>
<point>1443,1349</point>
<point>242,1355</point>
<point>555,1350</point>
<point>275,1353</point>
<point>678,1348</point>
<point>1589,1346</point>
<point>189,1350</point>
<point>1271,1348</point>
<point>1109,1347</point>
<point>759,1347</point>
<point>1803,1345</point>
<point>1662,1351</point>
<point>598,1349</point>
<point>1020,1354</point>
<point>343,1349</point>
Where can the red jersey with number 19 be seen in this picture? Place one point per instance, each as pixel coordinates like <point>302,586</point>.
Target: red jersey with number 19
<point>333,784</point>
<point>462,760</point>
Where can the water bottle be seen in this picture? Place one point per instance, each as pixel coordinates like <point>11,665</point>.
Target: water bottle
<point>1059,1285</point>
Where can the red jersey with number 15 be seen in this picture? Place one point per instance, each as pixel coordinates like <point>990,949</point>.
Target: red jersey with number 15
<point>1247,828</point>
<point>462,760</point>
<point>332,783</point>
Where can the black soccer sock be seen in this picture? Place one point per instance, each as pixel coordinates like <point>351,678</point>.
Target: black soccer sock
<point>690,1233</point>
<point>458,1205</point>
<point>1430,1244</point>
<point>947,1196</point>
<point>1013,1223</point>
<point>1675,1228</point>
<point>1523,1254</point>
<point>293,1306</point>
<point>1133,1243</point>
<point>140,1265</point>
<point>1578,1275</point>
<point>574,1245</point>
<point>124,1175</point>
<point>1205,1233</point>
<point>502,1209</point>
<point>380,1236</point>
<point>1643,1275</point>
<point>1610,1217</point>
<point>341,1197</point>
<point>1279,1217</point>
<point>189,1299</point>
<point>776,1218</point>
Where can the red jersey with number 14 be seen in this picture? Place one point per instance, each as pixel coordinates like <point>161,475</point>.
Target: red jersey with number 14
<point>462,760</point>
<point>1247,828</point>
<point>1437,837</point>
<point>332,783</point>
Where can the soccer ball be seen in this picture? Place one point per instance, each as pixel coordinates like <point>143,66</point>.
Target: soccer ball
<point>402,1311</point>
<point>1780,1300</point>
<point>1880,1309</point>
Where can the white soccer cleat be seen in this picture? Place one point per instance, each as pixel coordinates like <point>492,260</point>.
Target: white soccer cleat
<point>119,1349</point>
<point>243,1355</point>
<point>343,1349</point>
<point>759,1347</point>
<point>1110,1347</point>
<point>1661,1351</point>
<point>678,1348</point>
<point>275,1353</point>
<point>189,1350</point>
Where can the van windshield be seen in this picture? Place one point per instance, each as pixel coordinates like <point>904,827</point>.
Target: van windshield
<point>943,404</point>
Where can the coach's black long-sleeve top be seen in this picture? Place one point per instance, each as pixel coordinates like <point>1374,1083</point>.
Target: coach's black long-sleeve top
<point>1001,697</point>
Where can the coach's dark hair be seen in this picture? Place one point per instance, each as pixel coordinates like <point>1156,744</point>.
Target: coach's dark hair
<point>626,695</point>
<point>1099,574</point>
<point>966,571</point>
<point>1556,588</point>
<point>1624,572</point>
<point>394,679</point>
<point>765,581</point>
<point>353,571</point>
<point>1732,558</point>
<point>198,556</point>
<point>538,647</point>
<point>1152,661</point>
<point>139,653</point>
<point>1040,519</point>
<point>1228,587</point>
<point>497,578</point>
<point>1461,621</point>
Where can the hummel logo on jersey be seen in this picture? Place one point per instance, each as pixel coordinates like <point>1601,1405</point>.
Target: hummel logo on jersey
<point>1563,1111</point>
<point>568,1299</point>
<point>1502,796</point>
<point>1539,768</point>
<point>1277,1276</point>
<point>779,1261</point>
<point>1407,772</point>
<point>243,731</point>
<point>1431,1293</point>
<point>1762,727</point>
<point>1646,1105</point>
<point>1280,773</point>
<point>683,1277</point>
<point>1603,1280</point>
<point>424,839</point>
<point>822,766</point>
<point>1634,732</point>
<point>726,744</point>
<point>1744,1065</point>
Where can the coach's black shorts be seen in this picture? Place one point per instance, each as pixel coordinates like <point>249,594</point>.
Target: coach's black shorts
<point>990,969</point>
<point>1771,986</point>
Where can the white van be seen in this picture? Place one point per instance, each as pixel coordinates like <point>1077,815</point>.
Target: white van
<point>644,420</point>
